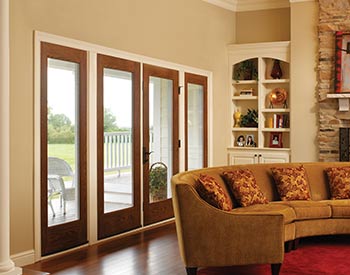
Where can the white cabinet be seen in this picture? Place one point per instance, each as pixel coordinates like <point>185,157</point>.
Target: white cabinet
<point>252,156</point>
<point>271,132</point>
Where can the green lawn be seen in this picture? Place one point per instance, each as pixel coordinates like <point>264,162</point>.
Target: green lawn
<point>63,151</point>
<point>66,152</point>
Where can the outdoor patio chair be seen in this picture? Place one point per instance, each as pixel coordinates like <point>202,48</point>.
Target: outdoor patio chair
<point>57,169</point>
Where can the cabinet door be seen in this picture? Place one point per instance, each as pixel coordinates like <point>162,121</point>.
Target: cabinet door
<point>242,158</point>
<point>276,157</point>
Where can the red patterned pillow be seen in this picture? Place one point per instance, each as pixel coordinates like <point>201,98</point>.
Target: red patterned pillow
<point>292,183</point>
<point>243,186</point>
<point>213,193</point>
<point>339,182</point>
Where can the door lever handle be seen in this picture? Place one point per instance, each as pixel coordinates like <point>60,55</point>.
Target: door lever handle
<point>146,155</point>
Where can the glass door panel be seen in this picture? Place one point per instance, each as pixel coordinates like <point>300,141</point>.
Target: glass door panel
<point>195,121</point>
<point>118,149</point>
<point>63,141</point>
<point>118,143</point>
<point>160,141</point>
<point>195,126</point>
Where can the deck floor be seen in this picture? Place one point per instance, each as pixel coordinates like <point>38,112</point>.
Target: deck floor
<point>118,195</point>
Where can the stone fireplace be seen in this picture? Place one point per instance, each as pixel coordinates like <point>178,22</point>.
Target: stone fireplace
<point>333,16</point>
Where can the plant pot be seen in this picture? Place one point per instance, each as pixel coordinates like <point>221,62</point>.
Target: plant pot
<point>160,194</point>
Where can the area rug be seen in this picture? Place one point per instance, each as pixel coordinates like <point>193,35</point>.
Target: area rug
<point>329,255</point>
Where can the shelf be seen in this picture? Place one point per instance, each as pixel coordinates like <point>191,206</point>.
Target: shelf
<point>244,82</point>
<point>276,129</point>
<point>274,81</point>
<point>276,110</point>
<point>244,129</point>
<point>257,148</point>
<point>277,149</point>
<point>244,98</point>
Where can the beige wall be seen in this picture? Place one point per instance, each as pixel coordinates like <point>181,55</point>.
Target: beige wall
<point>263,26</point>
<point>189,32</point>
<point>304,48</point>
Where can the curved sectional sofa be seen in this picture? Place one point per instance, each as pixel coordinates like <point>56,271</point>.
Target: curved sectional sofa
<point>258,233</point>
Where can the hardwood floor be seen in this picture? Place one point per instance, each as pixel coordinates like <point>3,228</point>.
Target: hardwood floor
<point>152,252</point>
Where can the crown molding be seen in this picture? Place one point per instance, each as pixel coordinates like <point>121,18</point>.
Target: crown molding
<point>226,4</point>
<point>252,5</point>
<point>297,1</point>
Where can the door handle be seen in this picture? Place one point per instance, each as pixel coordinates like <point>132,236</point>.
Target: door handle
<point>145,155</point>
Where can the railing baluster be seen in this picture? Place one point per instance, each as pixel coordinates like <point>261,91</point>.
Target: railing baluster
<point>117,151</point>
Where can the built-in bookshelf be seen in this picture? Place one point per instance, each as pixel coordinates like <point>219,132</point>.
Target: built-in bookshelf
<point>253,91</point>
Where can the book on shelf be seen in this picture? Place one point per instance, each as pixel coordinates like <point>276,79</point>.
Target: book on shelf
<point>280,121</point>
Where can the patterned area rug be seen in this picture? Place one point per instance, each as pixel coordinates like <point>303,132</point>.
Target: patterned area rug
<point>326,255</point>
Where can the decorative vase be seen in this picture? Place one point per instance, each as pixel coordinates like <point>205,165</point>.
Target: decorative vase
<point>276,72</point>
<point>237,117</point>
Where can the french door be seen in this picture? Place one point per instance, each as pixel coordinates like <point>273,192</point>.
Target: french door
<point>160,140</point>
<point>118,143</point>
<point>63,148</point>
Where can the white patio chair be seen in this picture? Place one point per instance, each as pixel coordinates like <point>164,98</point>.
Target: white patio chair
<point>57,169</point>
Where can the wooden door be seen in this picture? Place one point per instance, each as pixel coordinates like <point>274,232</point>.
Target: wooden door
<point>160,140</point>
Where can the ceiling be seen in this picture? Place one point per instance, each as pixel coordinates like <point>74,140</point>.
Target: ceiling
<point>251,5</point>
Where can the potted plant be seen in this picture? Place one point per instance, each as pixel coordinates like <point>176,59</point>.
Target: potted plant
<point>158,178</point>
<point>250,119</point>
<point>245,70</point>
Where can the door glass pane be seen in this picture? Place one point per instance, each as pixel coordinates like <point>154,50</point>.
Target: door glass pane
<point>160,131</point>
<point>195,126</point>
<point>63,141</point>
<point>117,102</point>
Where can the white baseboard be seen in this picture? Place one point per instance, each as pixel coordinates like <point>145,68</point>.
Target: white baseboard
<point>23,258</point>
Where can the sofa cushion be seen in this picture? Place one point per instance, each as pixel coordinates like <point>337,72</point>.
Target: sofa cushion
<point>340,208</point>
<point>309,210</point>
<point>213,193</point>
<point>270,208</point>
<point>339,182</point>
<point>291,182</point>
<point>244,188</point>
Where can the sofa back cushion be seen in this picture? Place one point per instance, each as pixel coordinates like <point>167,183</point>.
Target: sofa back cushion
<point>318,181</point>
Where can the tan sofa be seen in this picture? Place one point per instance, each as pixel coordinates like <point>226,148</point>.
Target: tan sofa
<point>256,234</point>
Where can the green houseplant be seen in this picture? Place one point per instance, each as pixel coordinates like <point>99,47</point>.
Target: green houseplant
<point>245,70</point>
<point>158,178</point>
<point>250,119</point>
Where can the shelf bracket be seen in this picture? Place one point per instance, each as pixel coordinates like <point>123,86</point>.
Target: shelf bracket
<point>343,101</point>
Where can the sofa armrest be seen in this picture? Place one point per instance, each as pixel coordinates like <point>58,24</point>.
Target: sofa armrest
<point>211,237</point>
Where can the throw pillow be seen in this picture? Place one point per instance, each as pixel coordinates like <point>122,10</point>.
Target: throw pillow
<point>339,182</point>
<point>213,193</point>
<point>292,183</point>
<point>244,188</point>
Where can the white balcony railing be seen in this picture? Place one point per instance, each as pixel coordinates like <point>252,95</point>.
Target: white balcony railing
<point>117,151</point>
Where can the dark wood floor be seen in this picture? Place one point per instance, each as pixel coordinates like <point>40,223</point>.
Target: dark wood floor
<point>148,253</point>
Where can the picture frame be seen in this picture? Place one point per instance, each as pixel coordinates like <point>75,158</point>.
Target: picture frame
<point>342,62</point>
<point>276,140</point>
<point>250,141</point>
<point>240,141</point>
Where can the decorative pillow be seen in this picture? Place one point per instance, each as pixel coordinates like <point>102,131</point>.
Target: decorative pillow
<point>243,186</point>
<point>213,193</point>
<point>339,182</point>
<point>292,183</point>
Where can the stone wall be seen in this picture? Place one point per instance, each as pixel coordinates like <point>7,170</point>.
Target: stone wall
<point>334,16</point>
